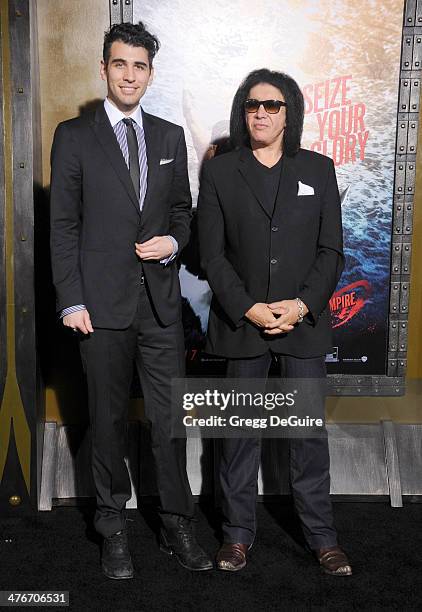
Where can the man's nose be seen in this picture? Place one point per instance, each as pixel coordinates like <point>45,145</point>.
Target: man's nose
<point>129,74</point>
<point>261,112</point>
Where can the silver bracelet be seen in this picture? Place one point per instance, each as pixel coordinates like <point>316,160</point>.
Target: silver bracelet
<point>301,307</point>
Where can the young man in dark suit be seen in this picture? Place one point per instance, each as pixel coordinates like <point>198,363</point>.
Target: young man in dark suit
<point>270,236</point>
<point>120,213</point>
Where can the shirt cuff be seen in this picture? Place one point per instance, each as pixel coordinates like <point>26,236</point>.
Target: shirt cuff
<point>175,250</point>
<point>71,309</point>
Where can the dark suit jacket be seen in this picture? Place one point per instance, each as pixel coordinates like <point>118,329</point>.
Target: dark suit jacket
<point>251,254</point>
<point>96,219</point>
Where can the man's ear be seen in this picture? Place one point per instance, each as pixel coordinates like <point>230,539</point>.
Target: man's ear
<point>103,70</point>
<point>151,77</point>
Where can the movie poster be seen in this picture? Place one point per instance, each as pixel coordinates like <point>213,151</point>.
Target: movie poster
<point>345,55</point>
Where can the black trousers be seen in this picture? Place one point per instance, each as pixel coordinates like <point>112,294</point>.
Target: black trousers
<point>108,357</point>
<point>309,463</point>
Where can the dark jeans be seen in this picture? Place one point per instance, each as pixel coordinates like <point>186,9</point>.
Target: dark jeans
<point>108,357</point>
<point>309,463</point>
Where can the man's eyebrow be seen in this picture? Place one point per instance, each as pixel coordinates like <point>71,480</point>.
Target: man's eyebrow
<point>120,60</point>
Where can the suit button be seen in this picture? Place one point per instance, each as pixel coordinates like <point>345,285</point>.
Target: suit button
<point>273,261</point>
<point>274,228</point>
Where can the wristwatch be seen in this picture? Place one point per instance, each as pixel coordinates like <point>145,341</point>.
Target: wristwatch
<point>301,307</point>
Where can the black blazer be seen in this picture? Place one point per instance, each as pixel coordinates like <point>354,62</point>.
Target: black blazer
<point>96,220</point>
<point>251,254</point>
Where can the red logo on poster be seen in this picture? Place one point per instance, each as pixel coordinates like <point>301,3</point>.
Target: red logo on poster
<point>348,301</point>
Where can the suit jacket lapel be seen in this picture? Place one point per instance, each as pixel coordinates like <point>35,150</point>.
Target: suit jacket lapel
<point>107,139</point>
<point>153,146</point>
<point>250,172</point>
<point>287,191</point>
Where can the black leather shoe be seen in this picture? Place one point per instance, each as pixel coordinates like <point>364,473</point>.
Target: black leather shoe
<point>115,558</point>
<point>177,538</point>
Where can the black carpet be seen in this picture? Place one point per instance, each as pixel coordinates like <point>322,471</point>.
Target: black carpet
<point>58,551</point>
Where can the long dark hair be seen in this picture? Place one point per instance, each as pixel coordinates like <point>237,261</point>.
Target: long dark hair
<point>294,111</point>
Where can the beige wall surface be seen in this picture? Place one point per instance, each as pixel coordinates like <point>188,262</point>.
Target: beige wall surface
<point>70,37</point>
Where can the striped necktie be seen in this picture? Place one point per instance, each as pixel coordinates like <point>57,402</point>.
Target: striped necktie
<point>132,144</point>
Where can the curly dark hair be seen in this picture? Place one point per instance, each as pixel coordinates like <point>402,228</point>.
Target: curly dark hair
<point>294,111</point>
<point>134,34</point>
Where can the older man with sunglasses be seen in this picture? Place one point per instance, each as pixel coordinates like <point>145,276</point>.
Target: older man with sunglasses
<point>271,245</point>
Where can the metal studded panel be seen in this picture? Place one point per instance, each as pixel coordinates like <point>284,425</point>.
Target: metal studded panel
<point>121,11</point>
<point>404,188</point>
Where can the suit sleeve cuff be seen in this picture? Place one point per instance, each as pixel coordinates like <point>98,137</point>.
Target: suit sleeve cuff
<point>169,259</point>
<point>71,309</point>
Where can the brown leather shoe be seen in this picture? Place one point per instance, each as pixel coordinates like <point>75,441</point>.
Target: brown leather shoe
<point>232,557</point>
<point>334,561</point>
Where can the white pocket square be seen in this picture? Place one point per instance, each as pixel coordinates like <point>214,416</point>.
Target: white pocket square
<point>166,161</point>
<point>304,190</point>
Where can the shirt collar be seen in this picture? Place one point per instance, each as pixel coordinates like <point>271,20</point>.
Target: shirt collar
<point>115,115</point>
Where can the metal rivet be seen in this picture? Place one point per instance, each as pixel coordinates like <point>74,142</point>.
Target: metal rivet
<point>20,89</point>
<point>412,148</point>
<point>406,63</point>
<point>23,238</point>
<point>14,500</point>
<point>18,14</point>
<point>24,309</point>
<point>406,83</point>
<point>21,165</point>
<point>401,148</point>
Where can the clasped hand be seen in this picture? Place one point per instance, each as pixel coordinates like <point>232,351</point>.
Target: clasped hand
<point>159,247</point>
<point>275,318</point>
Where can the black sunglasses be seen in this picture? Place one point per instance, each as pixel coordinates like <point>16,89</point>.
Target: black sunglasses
<point>270,106</point>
